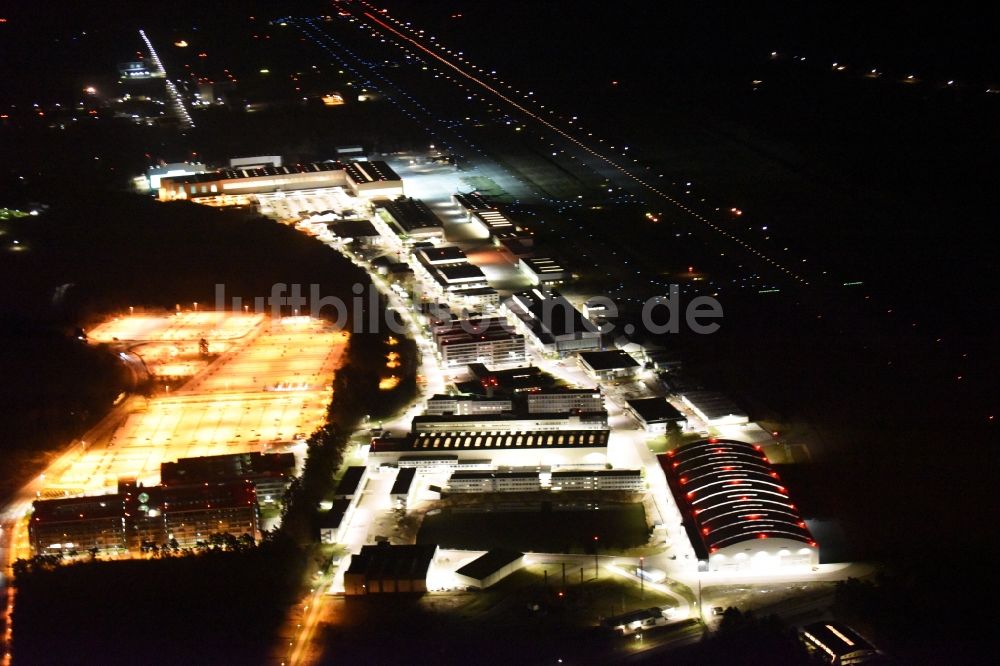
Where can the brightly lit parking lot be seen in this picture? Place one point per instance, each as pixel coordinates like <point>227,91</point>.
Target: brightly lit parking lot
<point>267,393</point>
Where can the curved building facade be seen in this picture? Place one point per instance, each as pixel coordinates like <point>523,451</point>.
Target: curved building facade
<point>736,511</point>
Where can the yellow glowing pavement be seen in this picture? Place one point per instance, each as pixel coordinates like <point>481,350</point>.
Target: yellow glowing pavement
<point>270,388</point>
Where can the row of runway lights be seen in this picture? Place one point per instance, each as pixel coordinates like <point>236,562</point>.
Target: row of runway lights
<point>529,97</point>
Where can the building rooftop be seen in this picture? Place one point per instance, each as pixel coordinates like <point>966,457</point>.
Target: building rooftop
<point>410,214</point>
<point>567,473</point>
<point>489,563</point>
<point>713,405</point>
<point>837,640</point>
<point>478,291</point>
<point>493,474</point>
<point>466,396</point>
<point>371,172</point>
<point>472,201</point>
<point>446,254</point>
<point>72,509</point>
<point>517,246</point>
<point>404,479</point>
<point>460,440</point>
<point>494,220</point>
<point>655,410</point>
<point>542,266</point>
<point>335,516</point>
<point>728,492</point>
<point>614,359</point>
<point>227,466</point>
<point>351,481</point>
<point>353,229</point>
<point>258,172</point>
<point>202,496</point>
<point>460,273</point>
<point>549,315</point>
<point>600,416</point>
<point>388,561</point>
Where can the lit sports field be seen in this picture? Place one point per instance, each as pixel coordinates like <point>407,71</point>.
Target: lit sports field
<point>270,387</point>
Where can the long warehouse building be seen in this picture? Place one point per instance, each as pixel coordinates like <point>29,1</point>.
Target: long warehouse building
<point>495,449</point>
<point>369,179</point>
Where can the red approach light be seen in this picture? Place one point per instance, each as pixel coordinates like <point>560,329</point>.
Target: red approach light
<point>782,489</point>
<point>727,467</point>
<point>812,543</point>
<point>690,494</point>
<point>753,516</point>
<point>735,483</point>
<point>705,531</point>
<point>774,475</point>
<point>676,465</point>
<point>713,549</point>
<point>684,480</point>
<point>744,498</point>
<point>757,446</point>
<point>671,454</point>
<point>713,440</point>
<point>697,511</point>
<point>802,523</point>
<point>761,536</point>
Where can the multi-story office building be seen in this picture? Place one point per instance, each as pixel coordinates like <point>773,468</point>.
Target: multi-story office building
<point>79,524</point>
<point>551,322</point>
<point>495,481</point>
<point>460,405</point>
<point>480,341</point>
<point>270,472</point>
<point>599,479</point>
<point>137,516</point>
<point>194,513</point>
<point>565,400</point>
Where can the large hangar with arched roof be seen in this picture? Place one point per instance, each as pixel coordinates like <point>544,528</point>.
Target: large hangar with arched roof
<point>735,509</point>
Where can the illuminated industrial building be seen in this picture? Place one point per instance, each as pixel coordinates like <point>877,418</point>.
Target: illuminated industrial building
<point>79,524</point>
<point>363,179</point>
<point>490,568</point>
<point>551,322</point>
<point>407,220</point>
<point>387,569</point>
<point>838,644</point>
<point>494,481</point>
<point>459,405</point>
<point>656,415</point>
<point>630,480</point>
<point>270,472</point>
<point>501,449</point>
<point>736,512</point>
<point>487,340</point>
<point>137,516</point>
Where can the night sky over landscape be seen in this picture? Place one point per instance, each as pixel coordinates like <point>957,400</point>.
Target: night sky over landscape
<point>824,172</point>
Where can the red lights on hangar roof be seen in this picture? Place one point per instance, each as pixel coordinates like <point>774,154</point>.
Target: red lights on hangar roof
<point>731,493</point>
